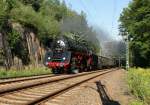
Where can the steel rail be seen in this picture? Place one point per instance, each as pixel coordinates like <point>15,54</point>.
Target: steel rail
<point>11,89</point>
<point>13,80</point>
<point>40,100</point>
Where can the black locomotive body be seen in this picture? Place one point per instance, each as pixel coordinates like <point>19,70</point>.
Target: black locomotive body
<point>67,56</point>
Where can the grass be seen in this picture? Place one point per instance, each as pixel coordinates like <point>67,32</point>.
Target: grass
<point>139,84</point>
<point>23,73</point>
<point>137,102</point>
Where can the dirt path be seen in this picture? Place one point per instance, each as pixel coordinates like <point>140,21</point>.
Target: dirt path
<point>116,88</point>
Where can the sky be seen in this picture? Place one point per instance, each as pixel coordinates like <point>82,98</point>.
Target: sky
<point>101,13</point>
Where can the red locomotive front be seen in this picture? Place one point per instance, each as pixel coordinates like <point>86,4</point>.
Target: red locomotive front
<point>59,61</point>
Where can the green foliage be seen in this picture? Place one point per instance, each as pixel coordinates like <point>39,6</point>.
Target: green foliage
<point>45,25</point>
<point>36,4</point>
<point>46,18</point>
<point>13,38</point>
<point>23,73</point>
<point>53,8</point>
<point>139,82</point>
<point>2,12</point>
<point>135,20</point>
<point>136,102</point>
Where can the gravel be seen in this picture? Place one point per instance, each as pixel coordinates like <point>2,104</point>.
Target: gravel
<point>113,83</point>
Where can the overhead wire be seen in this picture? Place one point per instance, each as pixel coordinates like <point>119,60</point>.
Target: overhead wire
<point>113,15</point>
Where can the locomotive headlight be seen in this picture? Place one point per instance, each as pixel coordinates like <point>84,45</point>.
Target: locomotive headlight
<point>49,58</point>
<point>64,58</point>
<point>46,63</point>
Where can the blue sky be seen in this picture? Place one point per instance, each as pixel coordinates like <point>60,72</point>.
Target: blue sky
<point>102,13</point>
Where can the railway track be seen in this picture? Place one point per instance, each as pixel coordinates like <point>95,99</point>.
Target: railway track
<point>38,94</point>
<point>13,80</point>
<point>12,85</point>
<point>21,79</point>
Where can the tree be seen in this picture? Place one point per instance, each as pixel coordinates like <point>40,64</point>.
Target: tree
<point>5,28</point>
<point>135,20</point>
<point>36,4</point>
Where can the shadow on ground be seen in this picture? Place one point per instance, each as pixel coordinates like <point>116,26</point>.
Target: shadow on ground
<point>103,95</point>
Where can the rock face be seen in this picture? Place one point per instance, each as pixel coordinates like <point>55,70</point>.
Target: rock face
<point>5,52</point>
<point>30,42</point>
<point>1,44</point>
<point>1,50</point>
<point>35,51</point>
<point>35,48</point>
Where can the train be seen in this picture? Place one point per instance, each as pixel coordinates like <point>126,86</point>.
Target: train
<point>68,56</point>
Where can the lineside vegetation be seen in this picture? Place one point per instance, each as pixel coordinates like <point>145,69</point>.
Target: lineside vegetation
<point>32,71</point>
<point>139,84</point>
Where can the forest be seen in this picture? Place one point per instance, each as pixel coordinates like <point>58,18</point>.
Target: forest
<point>27,28</point>
<point>135,26</point>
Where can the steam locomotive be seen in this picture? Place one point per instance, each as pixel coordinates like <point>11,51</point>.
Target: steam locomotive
<point>68,56</point>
